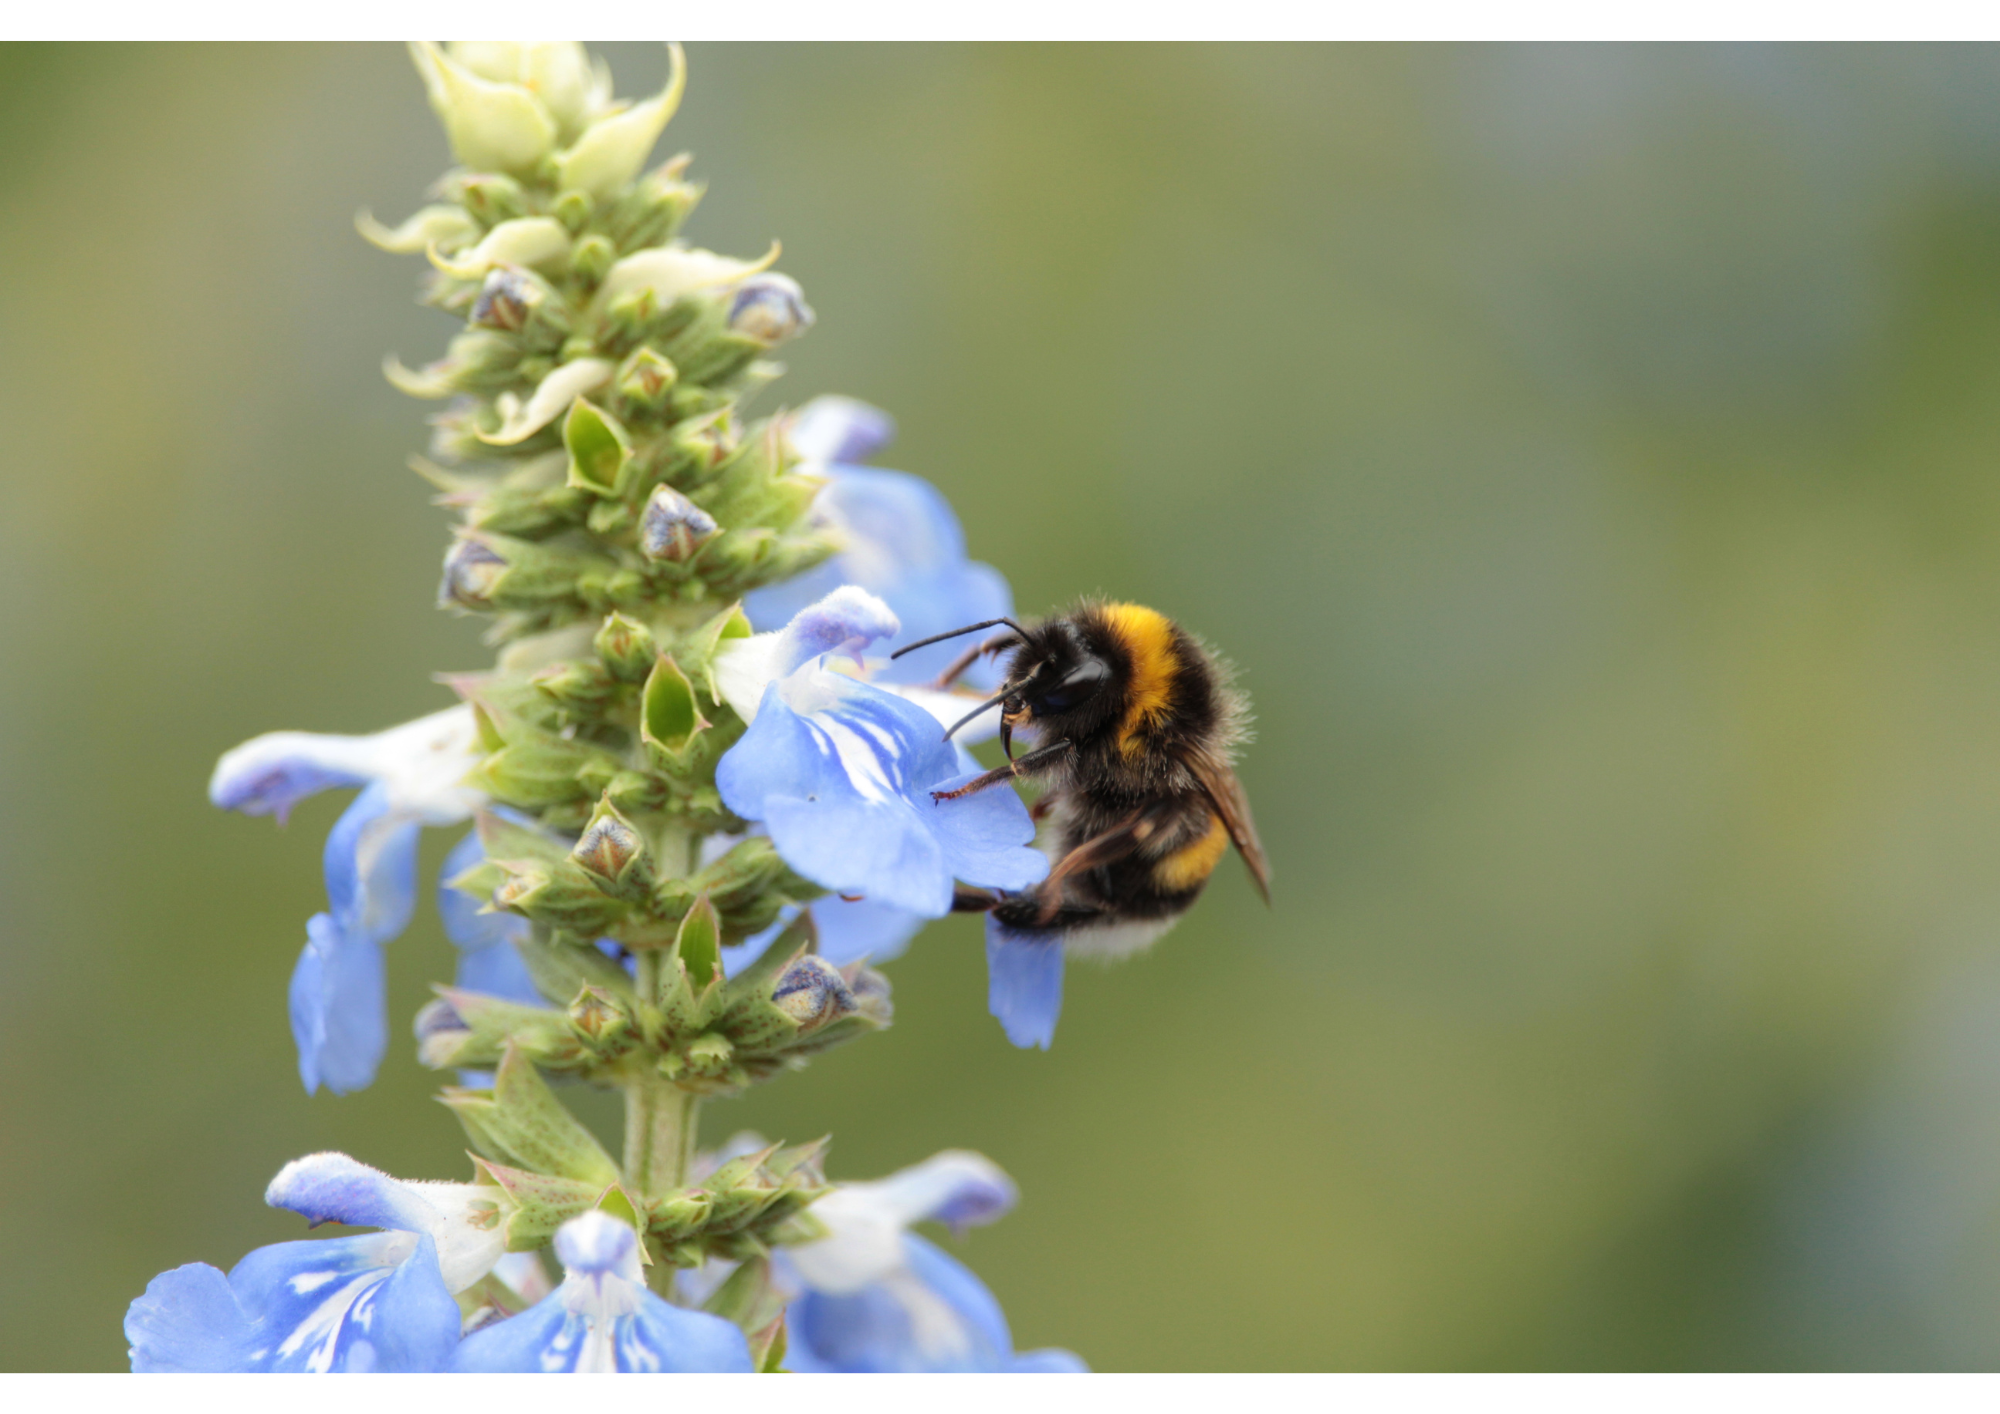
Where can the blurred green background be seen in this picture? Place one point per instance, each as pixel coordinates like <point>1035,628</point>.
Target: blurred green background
<point>1590,455</point>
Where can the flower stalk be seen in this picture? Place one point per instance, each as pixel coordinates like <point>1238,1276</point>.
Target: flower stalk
<point>691,838</point>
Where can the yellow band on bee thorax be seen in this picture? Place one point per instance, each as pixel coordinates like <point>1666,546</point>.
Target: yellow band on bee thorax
<point>1148,639</point>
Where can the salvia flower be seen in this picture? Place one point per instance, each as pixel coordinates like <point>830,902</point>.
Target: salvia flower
<point>380,1301</point>
<point>603,1320</point>
<point>899,541</point>
<point>840,772</point>
<point>875,1297</point>
<point>413,775</point>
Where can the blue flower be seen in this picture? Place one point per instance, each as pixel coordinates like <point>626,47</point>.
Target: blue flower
<point>412,776</point>
<point>874,1297</point>
<point>1024,977</point>
<point>900,542</point>
<point>603,1320</point>
<point>488,960</point>
<point>840,772</point>
<point>381,1301</point>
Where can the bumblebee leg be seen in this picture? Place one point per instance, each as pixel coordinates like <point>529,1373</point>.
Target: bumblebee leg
<point>1099,850</point>
<point>943,681</point>
<point>966,899</point>
<point>1021,765</point>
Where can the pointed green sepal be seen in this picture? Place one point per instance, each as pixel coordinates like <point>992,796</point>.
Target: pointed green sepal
<point>669,718</point>
<point>698,944</point>
<point>520,1122</point>
<point>599,449</point>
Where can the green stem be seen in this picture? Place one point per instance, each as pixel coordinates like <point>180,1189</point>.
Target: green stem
<point>660,1122</point>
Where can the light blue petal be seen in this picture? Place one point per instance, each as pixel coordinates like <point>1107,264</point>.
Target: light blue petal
<point>1024,983</point>
<point>189,1321</point>
<point>905,547</point>
<point>349,1304</point>
<point>853,930</point>
<point>371,867</point>
<point>339,1009</point>
<point>488,960</point>
<point>602,1318</point>
<point>1050,1361</point>
<point>656,1337</point>
<point>986,834</point>
<point>875,1331</point>
<point>335,1188</point>
<point>844,791</point>
<point>851,845</point>
<point>788,772</point>
<point>832,428</point>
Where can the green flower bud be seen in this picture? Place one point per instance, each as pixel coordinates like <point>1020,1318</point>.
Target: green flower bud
<point>539,768</point>
<point>653,208</point>
<point>462,1028</point>
<point>561,898</point>
<point>578,685</point>
<point>602,1022</point>
<point>645,379</point>
<point>592,258</point>
<point>627,648</point>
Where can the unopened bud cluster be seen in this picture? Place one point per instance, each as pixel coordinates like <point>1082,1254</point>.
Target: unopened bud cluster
<point>613,508</point>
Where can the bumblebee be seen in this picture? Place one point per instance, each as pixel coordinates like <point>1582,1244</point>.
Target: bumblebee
<point>1134,724</point>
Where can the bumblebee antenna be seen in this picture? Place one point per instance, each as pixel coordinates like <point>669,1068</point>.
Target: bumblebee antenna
<point>958,633</point>
<point>989,702</point>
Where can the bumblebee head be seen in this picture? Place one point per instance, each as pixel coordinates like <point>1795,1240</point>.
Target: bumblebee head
<point>1060,683</point>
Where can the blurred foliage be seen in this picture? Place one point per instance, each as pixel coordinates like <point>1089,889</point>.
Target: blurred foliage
<point>1591,457</point>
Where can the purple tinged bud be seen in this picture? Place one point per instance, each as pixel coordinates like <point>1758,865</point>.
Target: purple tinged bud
<point>812,992</point>
<point>608,846</point>
<point>674,528</point>
<point>505,300</point>
<point>471,570</point>
<point>770,309</point>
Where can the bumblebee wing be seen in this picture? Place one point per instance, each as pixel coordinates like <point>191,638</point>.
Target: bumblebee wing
<point>1225,792</point>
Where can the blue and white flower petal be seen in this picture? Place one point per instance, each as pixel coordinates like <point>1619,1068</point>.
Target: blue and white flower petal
<point>603,1320</point>
<point>462,1219</point>
<point>352,1305</point>
<point>900,542</point>
<point>413,776</point>
<point>878,1298</point>
<point>1024,980</point>
<point>424,764</point>
<point>380,1301</point>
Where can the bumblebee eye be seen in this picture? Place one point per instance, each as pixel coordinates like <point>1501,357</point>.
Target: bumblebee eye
<point>1082,683</point>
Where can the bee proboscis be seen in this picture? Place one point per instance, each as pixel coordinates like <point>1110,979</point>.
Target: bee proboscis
<point>1134,725</point>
